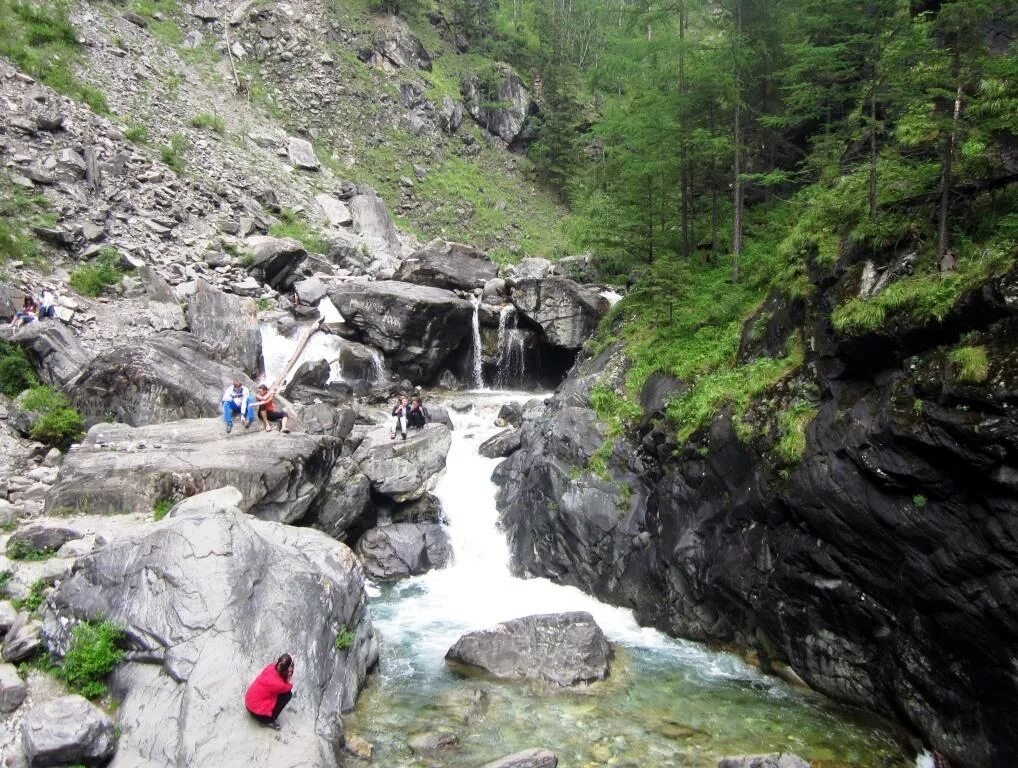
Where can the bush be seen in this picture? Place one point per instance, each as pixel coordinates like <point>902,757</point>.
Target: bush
<point>19,550</point>
<point>56,423</point>
<point>93,279</point>
<point>172,153</point>
<point>211,122</point>
<point>344,638</point>
<point>137,134</point>
<point>293,226</point>
<point>971,363</point>
<point>161,508</point>
<point>93,654</point>
<point>19,212</point>
<point>16,374</point>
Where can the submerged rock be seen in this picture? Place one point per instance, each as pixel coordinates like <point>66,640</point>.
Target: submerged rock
<point>777,760</point>
<point>561,648</point>
<point>528,758</point>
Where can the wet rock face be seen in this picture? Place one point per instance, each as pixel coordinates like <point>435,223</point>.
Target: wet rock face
<point>567,312</point>
<point>562,648</point>
<point>231,594</point>
<point>889,549</point>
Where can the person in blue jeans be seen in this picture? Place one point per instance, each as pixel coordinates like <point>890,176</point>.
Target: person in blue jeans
<point>237,399</point>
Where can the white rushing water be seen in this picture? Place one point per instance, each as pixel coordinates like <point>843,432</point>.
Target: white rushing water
<point>478,590</point>
<point>475,324</point>
<point>511,365</point>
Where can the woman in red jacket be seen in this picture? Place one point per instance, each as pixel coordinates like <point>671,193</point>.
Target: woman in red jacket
<point>271,691</point>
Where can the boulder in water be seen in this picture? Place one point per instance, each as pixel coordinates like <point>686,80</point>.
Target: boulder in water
<point>528,758</point>
<point>501,444</point>
<point>206,601</point>
<point>404,549</point>
<point>777,760</point>
<point>561,648</point>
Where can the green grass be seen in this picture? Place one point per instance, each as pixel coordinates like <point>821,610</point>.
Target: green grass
<point>40,39</point>
<point>21,210</point>
<point>16,373</point>
<point>137,134</point>
<point>166,29</point>
<point>93,653</point>
<point>344,638</point>
<point>791,445</point>
<point>161,508</point>
<point>34,599</point>
<point>206,121</point>
<point>93,279</point>
<point>291,224</point>
<point>172,154</point>
<point>19,550</point>
<point>5,577</point>
<point>55,423</point>
<point>971,363</point>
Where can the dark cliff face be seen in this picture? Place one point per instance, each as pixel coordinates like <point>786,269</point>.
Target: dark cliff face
<point>883,567</point>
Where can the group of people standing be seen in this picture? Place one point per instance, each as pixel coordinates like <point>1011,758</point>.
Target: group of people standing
<point>44,307</point>
<point>238,400</point>
<point>408,415</point>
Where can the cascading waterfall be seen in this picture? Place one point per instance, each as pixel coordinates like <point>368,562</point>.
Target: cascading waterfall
<point>668,703</point>
<point>511,365</point>
<point>378,367</point>
<point>475,322</point>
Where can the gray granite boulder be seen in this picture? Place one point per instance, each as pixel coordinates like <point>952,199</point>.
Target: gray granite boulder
<point>23,639</point>
<point>501,444</point>
<point>54,351</point>
<point>404,470</point>
<point>12,688</point>
<point>68,730</point>
<point>208,600</point>
<point>500,105</point>
<point>275,260</point>
<point>444,264</point>
<point>302,154</point>
<point>562,648</point>
<point>227,326</point>
<point>163,311</point>
<point>209,502</point>
<point>567,312</point>
<point>42,536</point>
<point>776,760</point>
<point>119,469</point>
<point>345,500</point>
<point>528,758</point>
<point>404,549</point>
<point>416,327</point>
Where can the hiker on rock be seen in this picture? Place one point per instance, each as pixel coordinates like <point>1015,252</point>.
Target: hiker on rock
<point>237,399</point>
<point>417,416</point>
<point>47,304</point>
<point>25,315</point>
<point>400,414</point>
<point>271,691</point>
<point>266,407</point>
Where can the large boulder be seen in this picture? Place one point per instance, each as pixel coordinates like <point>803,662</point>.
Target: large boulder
<point>23,639</point>
<point>163,311</point>
<point>416,327</point>
<point>275,260</point>
<point>371,221</point>
<point>68,730</point>
<point>404,470</point>
<point>404,549</point>
<point>119,469</point>
<point>501,444</point>
<point>345,500</point>
<point>12,688</point>
<point>398,46</point>
<point>561,648</point>
<point>206,601</point>
<point>170,376</point>
<point>500,103</point>
<point>54,351</point>
<point>448,265</point>
<point>227,325</point>
<point>567,312</point>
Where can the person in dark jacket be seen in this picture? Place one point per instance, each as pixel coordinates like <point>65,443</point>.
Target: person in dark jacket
<point>271,691</point>
<point>417,417</point>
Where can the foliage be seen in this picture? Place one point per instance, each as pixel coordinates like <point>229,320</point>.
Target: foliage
<point>161,508</point>
<point>344,638</point>
<point>971,363</point>
<point>19,212</point>
<point>16,373</point>
<point>918,501</point>
<point>34,599</point>
<point>161,16</point>
<point>614,409</point>
<point>17,549</point>
<point>292,225</point>
<point>40,39</point>
<point>791,446</point>
<point>93,653</point>
<point>138,134</point>
<point>5,576</point>
<point>93,279</point>
<point>55,422</point>
<point>172,154</point>
<point>210,122</point>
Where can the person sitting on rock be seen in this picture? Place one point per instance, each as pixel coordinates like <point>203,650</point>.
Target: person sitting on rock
<point>266,407</point>
<point>400,414</point>
<point>25,315</point>
<point>271,691</point>
<point>237,399</point>
<point>417,417</point>
<point>47,304</point>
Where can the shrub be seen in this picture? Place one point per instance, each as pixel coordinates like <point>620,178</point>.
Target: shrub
<point>971,363</point>
<point>344,638</point>
<point>172,153</point>
<point>20,550</point>
<point>93,279</point>
<point>93,654</point>
<point>918,501</point>
<point>210,122</point>
<point>16,374</point>
<point>161,508</point>
<point>56,423</point>
<point>19,212</point>
<point>34,599</point>
<point>137,134</point>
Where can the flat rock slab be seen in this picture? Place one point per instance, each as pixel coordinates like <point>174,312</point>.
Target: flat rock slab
<point>501,444</point>
<point>207,600</point>
<point>561,648</point>
<point>119,469</point>
<point>404,470</point>
<point>67,730</point>
<point>528,758</point>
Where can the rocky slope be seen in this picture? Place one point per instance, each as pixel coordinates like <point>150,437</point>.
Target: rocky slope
<point>881,567</point>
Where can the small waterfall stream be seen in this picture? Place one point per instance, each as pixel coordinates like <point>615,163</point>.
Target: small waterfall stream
<point>511,366</point>
<point>667,702</point>
<point>475,324</point>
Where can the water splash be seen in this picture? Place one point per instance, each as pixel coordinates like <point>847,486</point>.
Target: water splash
<point>511,366</point>
<point>613,297</point>
<point>277,349</point>
<point>378,371</point>
<point>475,323</point>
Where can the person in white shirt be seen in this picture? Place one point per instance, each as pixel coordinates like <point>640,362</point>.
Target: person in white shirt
<point>237,399</point>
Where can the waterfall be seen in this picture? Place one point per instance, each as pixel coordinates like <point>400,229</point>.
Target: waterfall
<point>475,322</point>
<point>378,371</point>
<point>512,355</point>
<point>277,348</point>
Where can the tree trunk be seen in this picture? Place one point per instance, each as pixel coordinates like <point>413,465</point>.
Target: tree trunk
<point>683,147</point>
<point>737,131</point>
<point>873,148</point>
<point>943,235</point>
